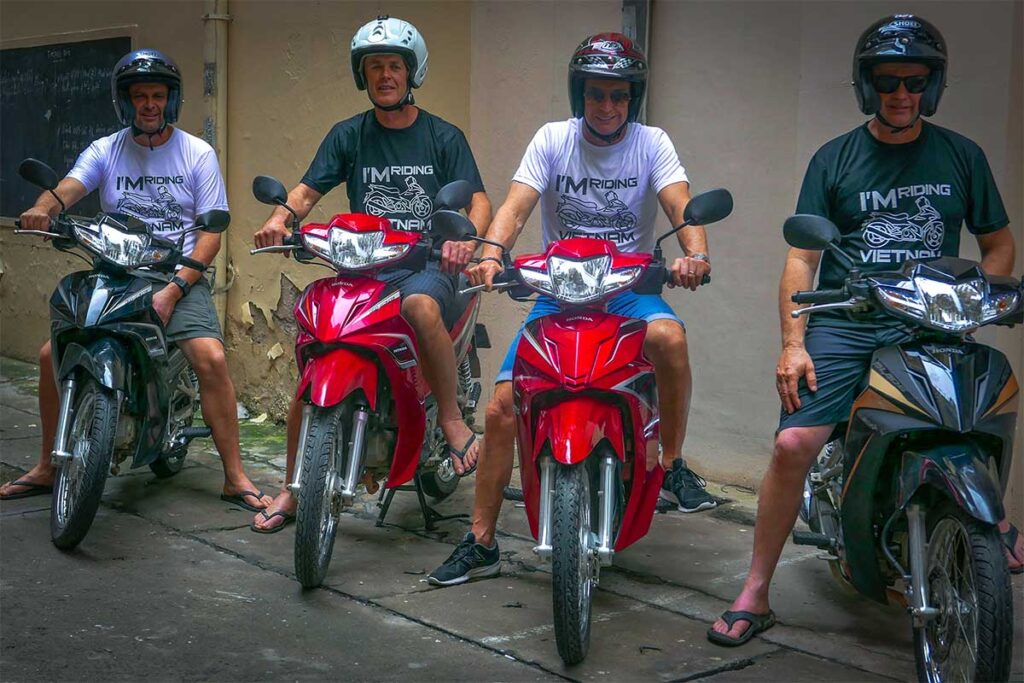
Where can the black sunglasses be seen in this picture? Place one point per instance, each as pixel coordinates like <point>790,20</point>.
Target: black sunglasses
<point>598,96</point>
<point>889,84</point>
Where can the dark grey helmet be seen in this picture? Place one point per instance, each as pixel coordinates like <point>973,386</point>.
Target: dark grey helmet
<point>145,66</point>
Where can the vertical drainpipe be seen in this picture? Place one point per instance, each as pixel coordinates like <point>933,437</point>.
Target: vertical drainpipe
<point>215,126</point>
<point>636,25</point>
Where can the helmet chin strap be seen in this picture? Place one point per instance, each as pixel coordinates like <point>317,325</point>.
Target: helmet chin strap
<point>611,137</point>
<point>896,129</point>
<point>408,99</point>
<point>136,132</point>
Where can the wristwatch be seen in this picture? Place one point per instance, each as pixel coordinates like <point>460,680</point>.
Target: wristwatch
<point>700,256</point>
<point>182,283</point>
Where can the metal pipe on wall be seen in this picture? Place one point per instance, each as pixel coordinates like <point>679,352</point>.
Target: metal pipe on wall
<point>215,125</point>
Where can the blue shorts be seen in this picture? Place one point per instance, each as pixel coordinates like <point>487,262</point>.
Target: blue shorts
<point>648,307</point>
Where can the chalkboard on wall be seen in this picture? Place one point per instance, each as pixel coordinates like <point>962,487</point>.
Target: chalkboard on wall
<point>54,101</point>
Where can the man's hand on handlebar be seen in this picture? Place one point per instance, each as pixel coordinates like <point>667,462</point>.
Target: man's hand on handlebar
<point>35,219</point>
<point>484,273</point>
<point>456,255</point>
<point>272,234</point>
<point>688,272</point>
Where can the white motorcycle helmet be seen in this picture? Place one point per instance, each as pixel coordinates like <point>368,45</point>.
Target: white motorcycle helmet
<point>387,35</point>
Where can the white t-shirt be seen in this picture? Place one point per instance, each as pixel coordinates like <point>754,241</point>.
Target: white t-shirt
<point>167,187</point>
<point>604,192</point>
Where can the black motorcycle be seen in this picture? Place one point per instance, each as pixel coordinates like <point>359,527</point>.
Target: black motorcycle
<point>906,499</point>
<point>124,390</point>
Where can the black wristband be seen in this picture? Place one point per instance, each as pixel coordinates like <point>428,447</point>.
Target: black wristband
<point>492,258</point>
<point>182,283</point>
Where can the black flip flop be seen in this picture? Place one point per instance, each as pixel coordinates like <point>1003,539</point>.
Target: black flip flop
<point>456,453</point>
<point>239,500</point>
<point>33,490</point>
<point>1010,540</point>
<point>288,519</point>
<point>759,623</point>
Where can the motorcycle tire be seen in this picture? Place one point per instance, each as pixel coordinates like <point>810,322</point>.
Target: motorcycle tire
<point>169,465</point>
<point>572,562</point>
<point>439,482</point>
<point>981,597</point>
<point>78,486</point>
<point>316,519</point>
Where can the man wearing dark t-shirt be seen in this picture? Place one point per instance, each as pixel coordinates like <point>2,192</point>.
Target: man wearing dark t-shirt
<point>897,188</point>
<point>393,159</point>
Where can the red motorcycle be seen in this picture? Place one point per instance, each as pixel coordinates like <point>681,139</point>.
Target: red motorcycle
<point>367,412</point>
<point>586,406</point>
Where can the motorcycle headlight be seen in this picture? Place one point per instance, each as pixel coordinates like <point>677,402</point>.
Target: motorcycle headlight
<point>579,282</point>
<point>950,307</point>
<point>127,249</point>
<point>354,250</point>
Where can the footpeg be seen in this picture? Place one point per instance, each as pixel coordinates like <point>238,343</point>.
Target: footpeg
<point>189,433</point>
<point>820,541</point>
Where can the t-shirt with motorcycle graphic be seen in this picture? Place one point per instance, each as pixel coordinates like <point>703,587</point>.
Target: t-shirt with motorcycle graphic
<point>166,187</point>
<point>603,192</point>
<point>393,172</point>
<point>895,202</point>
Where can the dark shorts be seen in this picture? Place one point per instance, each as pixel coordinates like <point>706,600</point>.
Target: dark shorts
<point>194,316</point>
<point>441,287</point>
<point>842,358</point>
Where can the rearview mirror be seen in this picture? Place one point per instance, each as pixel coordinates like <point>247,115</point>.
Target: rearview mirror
<point>451,226</point>
<point>455,195</point>
<point>807,231</point>
<point>214,220</point>
<point>38,173</point>
<point>708,207</point>
<point>269,190</point>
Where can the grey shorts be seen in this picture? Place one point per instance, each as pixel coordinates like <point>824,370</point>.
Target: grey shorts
<point>441,287</point>
<point>194,316</point>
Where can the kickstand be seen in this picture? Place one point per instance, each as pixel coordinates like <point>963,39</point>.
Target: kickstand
<point>430,515</point>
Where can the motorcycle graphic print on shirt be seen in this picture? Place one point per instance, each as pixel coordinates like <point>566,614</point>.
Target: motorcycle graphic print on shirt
<point>894,237</point>
<point>396,204</point>
<point>160,209</point>
<point>582,214</point>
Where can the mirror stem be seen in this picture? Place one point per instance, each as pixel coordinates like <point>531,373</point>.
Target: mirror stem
<point>842,257</point>
<point>657,245</point>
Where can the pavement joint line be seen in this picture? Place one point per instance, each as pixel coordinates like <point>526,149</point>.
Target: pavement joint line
<point>19,438</point>
<point>366,602</point>
<point>725,668</point>
<point>21,513</point>
<point>7,406</point>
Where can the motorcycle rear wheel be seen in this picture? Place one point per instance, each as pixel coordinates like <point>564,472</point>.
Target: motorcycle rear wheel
<point>969,583</point>
<point>78,486</point>
<point>573,565</point>
<point>316,519</point>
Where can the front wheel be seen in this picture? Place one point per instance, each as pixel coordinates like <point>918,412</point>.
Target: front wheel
<point>316,519</point>
<point>971,639</point>
<point>78,486</point>
<point>573,564</point>
<point>441,481</point>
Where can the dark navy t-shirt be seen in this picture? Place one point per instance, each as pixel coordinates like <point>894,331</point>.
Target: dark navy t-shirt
<point>393,172</point>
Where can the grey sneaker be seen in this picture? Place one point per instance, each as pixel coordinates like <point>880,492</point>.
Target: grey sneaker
<point>469,560</point>
<point>684,488</point>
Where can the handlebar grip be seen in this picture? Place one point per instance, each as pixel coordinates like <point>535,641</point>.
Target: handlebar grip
<point>192,263</point>
<point>820,296</point>
<point>667,278</point>
<point>17,223</point>
<point>706,280</point>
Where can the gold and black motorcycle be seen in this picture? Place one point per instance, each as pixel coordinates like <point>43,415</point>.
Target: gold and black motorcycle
<point>906,499</point>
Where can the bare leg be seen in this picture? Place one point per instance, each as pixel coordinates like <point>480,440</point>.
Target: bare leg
<point>666,347</point>
<point>438,362</point>
<point>777,507</point>
<point>284,501</point>
<point>217,396</point>
<point>49,400</point>
<point>495,467</point>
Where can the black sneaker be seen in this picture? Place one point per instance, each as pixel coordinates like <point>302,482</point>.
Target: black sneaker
<point>469,560</point>
<point>685,488</point>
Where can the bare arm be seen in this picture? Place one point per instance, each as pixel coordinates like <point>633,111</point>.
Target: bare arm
<point>997,251</point>
<point>794,361</point>
<point>70,190</point>
<point>505,229</point>
<point>455,256</point>
<point>480,213</point>
<point>302,199</point>
<point>686,272</point>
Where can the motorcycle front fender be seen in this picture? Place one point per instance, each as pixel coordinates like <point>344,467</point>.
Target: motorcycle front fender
<point>331,377</point>
<point>575,427</point>
<point>105,360</point>
<point>960,472</point>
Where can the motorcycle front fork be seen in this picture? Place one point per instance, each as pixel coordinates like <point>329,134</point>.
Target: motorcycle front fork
<point>346,484</point>
<point>917,588</point>
<point>604,547</point>
<point>60,452</point>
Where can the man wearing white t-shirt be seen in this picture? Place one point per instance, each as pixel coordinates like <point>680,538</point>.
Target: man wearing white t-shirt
<point>164,177</point>
<point>600,174</point>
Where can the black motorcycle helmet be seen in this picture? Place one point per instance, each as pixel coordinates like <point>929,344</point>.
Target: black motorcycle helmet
<point>612,56</point>
<point>899,38</point>
<point>145,66</point>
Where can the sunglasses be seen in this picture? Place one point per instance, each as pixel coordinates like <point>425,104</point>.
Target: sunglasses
<point>890,84</point>
<point>598,96</point>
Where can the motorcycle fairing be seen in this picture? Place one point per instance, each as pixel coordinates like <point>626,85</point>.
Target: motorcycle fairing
<point>959,471</point>
<point>582,248</point>
<point>580,378</point>
<point>919,391</point>
<point>88,299</point>
<point>359,313</point>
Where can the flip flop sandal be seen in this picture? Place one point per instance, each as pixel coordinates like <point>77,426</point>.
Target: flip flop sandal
<point>455,453</point>
<point>288,519</point>
<point>33,490</point>
<point>759,623</point>
<point>1010,541</point>
<point>239,500</point>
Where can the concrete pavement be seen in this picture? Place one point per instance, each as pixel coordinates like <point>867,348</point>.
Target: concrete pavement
<point>170,583</point>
